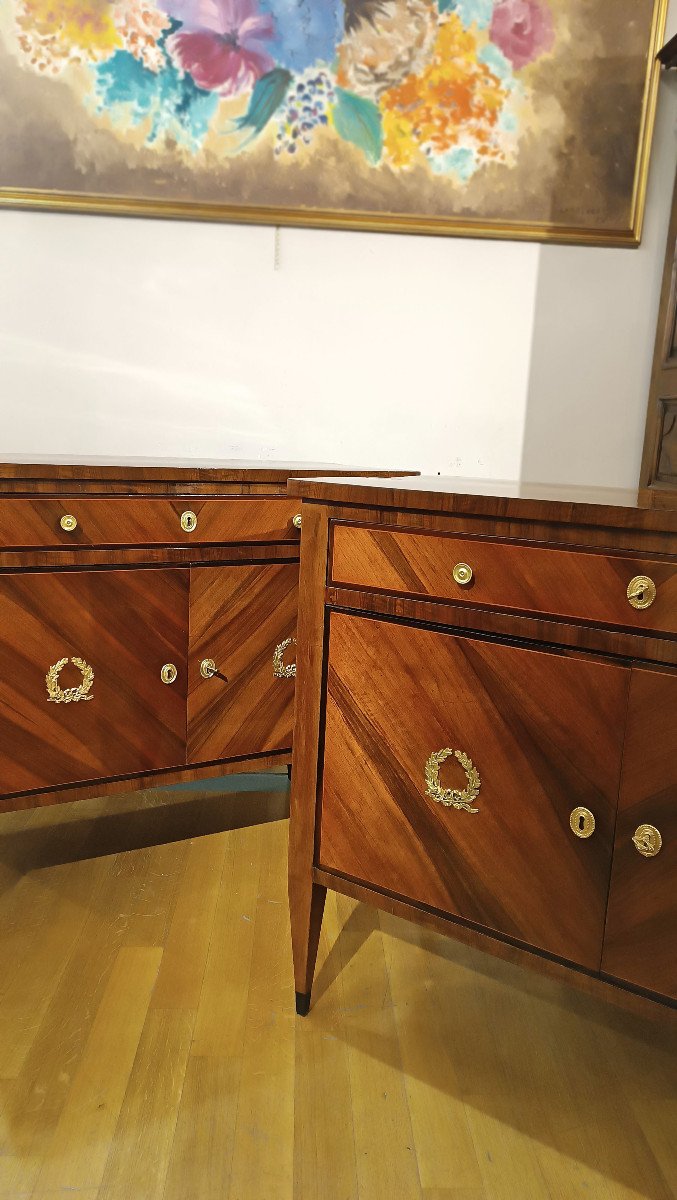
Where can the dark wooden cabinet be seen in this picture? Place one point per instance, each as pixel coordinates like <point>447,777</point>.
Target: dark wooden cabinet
<point>658,477</point>
<point>119,585</point>
<point>486,715</point>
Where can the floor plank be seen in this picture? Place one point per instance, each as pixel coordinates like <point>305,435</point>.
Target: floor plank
<point>76,1155</point>
<point>151,1050</point>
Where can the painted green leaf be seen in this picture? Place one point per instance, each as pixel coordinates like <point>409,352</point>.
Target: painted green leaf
<point>445,5</point>
<point>267,96</point>
<point>359,121</point>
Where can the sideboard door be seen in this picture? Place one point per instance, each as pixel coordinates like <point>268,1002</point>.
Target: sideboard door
<point>640,943</point>
<point>537,735</point>
<point>81,690</point>
<point>239,617</point>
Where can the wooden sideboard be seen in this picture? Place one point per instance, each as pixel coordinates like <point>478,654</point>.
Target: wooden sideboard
<point>148,617</point>
<point>486,715</point>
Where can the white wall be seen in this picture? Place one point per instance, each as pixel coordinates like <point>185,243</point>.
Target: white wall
<point>165,338</point>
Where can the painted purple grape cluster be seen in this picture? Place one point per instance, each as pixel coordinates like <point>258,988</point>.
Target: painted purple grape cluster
<point>306,107</point>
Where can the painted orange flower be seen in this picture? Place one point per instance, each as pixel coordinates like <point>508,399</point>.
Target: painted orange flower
<point>456,102</point>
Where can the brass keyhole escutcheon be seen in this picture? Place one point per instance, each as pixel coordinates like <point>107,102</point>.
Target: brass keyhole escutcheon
<point>647,840</point>
<point>68,522</point>
<point>582,822</point>
<point>641,591</point>
<point>462,574</point>
<point>296,521</point>
<point>208,668</point>
<point>188,521</point>
<point>168,673</point>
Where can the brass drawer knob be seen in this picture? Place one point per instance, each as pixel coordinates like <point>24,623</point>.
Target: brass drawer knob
<point>647,840</point>
<point>68,522</point>
<point>452,797</point>
<point>641,591</point>
<point>582,822</point>
<point>168,673</point>
<point>188,521</point>
<point>208,668</point>
<point>462,574</point>
<point>296,521</point>
<point>281,669</point>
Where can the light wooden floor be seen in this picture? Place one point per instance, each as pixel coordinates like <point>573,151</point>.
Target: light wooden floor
<point>149,1049</point>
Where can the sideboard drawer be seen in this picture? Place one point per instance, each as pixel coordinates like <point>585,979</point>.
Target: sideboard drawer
<point>82,659</point>
<point>538,734</point>
<point>529,579</point>
<point>121,521</point>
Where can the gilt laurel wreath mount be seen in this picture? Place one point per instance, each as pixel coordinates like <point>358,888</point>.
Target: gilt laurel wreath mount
<point>58,695</point>
<point>452,797</point>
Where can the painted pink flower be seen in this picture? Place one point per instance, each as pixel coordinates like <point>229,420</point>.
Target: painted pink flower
<point>221,43</point>
<point>522,29</point>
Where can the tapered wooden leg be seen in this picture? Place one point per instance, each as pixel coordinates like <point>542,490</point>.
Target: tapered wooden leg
<point>306,898</point>
<point>306,922</point>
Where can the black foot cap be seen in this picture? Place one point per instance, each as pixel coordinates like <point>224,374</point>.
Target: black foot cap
<point>302,1004</point>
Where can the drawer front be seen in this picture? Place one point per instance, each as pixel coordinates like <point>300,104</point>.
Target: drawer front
<point>242,625</point>
<point>528,579</point>
<point>543,731</point>
<point>640,943</point>
<point>102,521</point>
<point>108,713</point>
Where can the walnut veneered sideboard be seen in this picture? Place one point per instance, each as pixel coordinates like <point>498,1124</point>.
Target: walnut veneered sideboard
<point>486,723</point>
<point>148,615</point>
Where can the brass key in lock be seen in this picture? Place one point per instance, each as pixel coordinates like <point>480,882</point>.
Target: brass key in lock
<point>641,591</point>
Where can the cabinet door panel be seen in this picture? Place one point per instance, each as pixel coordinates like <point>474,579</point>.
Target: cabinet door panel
<point>238,615</point>
<point>545,732</point>
<point>640,943</point>
<point>124,625</point>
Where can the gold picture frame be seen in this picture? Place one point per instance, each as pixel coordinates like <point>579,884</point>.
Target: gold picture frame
<point>428,220</point>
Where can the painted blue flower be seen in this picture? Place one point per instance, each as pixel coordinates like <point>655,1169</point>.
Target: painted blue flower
<point>306,32</point>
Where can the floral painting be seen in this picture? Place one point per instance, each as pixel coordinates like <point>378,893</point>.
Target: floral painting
<point>525,118</point>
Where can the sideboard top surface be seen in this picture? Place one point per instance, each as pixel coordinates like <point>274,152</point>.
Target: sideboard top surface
<point>615,507</point>
<point>175,470</point>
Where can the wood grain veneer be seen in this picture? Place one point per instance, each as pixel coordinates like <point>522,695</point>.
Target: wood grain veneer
<point>546,733</point>
<point>132,521</point>
<point>588,587</point>
<point>125,625</point>
<point>128,591</point>
<point>640,943</point>
<point>237,618</point>
<point>559,695</point>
